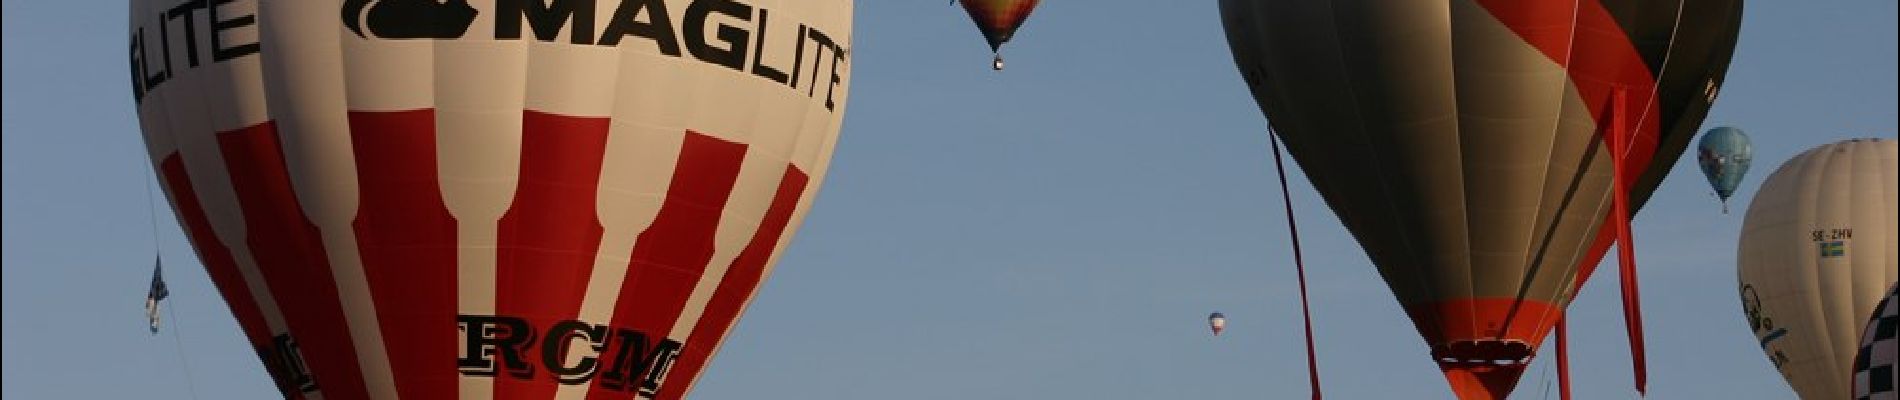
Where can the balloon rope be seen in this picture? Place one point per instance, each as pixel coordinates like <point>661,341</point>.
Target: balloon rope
<point>182,363</point>
<point>151,203</point>
<point>1299,264</point>
<point>1632,304</point>
<point>1563,358</point>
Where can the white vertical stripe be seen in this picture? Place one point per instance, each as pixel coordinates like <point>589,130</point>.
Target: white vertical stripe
<point>643,145</point>
<point>304,78</point>
<point>751,196</point>
<point>388,75</point>
<point>633,187</point>
<point>479,89</point>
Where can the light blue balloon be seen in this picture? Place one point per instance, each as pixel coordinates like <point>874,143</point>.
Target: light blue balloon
<point>1724,154</point>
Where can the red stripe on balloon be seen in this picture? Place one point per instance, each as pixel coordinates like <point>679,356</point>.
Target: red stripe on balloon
<point>1598,56</point>
<point>218,261</point>
<point>740,281</point>
<point>407,239</point>
<point>290,254</point>
<point>549,236</point>
<point>669,257</point>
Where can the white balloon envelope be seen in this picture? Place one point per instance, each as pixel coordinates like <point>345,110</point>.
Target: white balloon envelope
<point>1817,253</point>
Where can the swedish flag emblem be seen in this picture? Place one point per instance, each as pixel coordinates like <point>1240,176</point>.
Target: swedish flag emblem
<point>1831,249</point>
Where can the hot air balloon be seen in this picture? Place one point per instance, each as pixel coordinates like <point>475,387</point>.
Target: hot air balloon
<point>489,200</point>
<point>998,20</point>
<point>1724,154</point>
<point>1463,144</point>
<point>1817,251</point>
<point>1876,375</point>
<point>1217,322</point>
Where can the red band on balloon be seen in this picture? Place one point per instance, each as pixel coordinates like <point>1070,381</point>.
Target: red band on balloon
<point>407,240</point>
<point>550,234</point>
<point>290,254</point>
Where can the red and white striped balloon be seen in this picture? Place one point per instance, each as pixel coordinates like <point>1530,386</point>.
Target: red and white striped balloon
<point>561,198</point>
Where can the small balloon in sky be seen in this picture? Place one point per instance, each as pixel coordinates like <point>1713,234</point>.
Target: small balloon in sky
<point>998,20</point>
<point>1724,154</point>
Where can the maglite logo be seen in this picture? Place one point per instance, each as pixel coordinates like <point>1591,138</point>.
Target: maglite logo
<point>741,37</point>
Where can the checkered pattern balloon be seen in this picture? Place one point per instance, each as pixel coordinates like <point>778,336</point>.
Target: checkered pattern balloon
<point>1874,373</point>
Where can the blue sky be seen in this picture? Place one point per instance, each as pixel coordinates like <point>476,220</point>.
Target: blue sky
<point>1059,230</point>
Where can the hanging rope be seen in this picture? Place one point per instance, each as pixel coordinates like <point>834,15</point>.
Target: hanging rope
<point>1299,264</point>
<point>151,203</point>
<point>183,365</point>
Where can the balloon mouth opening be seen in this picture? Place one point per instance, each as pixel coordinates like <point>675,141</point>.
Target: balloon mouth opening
<point>1482,382</point>
<point>1483,353</point>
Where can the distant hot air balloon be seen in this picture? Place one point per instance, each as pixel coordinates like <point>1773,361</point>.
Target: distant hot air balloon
<point>1462,143</point>
<point>1217,322</point>
<point>489,200</point>
<point>1877,365</point>
<point>1818,250</point>
<point>1724,154</point>
<point>998,20</point>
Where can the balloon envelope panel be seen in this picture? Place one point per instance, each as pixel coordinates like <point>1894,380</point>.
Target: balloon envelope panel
<point>489,199</point>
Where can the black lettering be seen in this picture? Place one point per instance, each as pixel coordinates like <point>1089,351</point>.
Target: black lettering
<point>817,58</point>
<point>219,53</point>
<point>636,367</point>
<point>628,360</point>
<point>145,64</point>
<point>165,43</point>
<point>837,56</point>
<point>191,28</point>
<point>487,335</point>
<point>283,360</point>
<point>545,17</point>
<point>694,22</point>
<point>554,350</point>
<point>758,55</point>
<point>659,28</point>
<point>798,57</point>
<point>824,43</point>
<point>659,362</point>
<point>138,72</point>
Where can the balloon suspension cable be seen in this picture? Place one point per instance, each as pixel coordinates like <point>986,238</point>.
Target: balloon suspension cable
<point>183,364</point>
<point>1299,264</point>
<point>151,203</point>
<point>1632,303</point>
